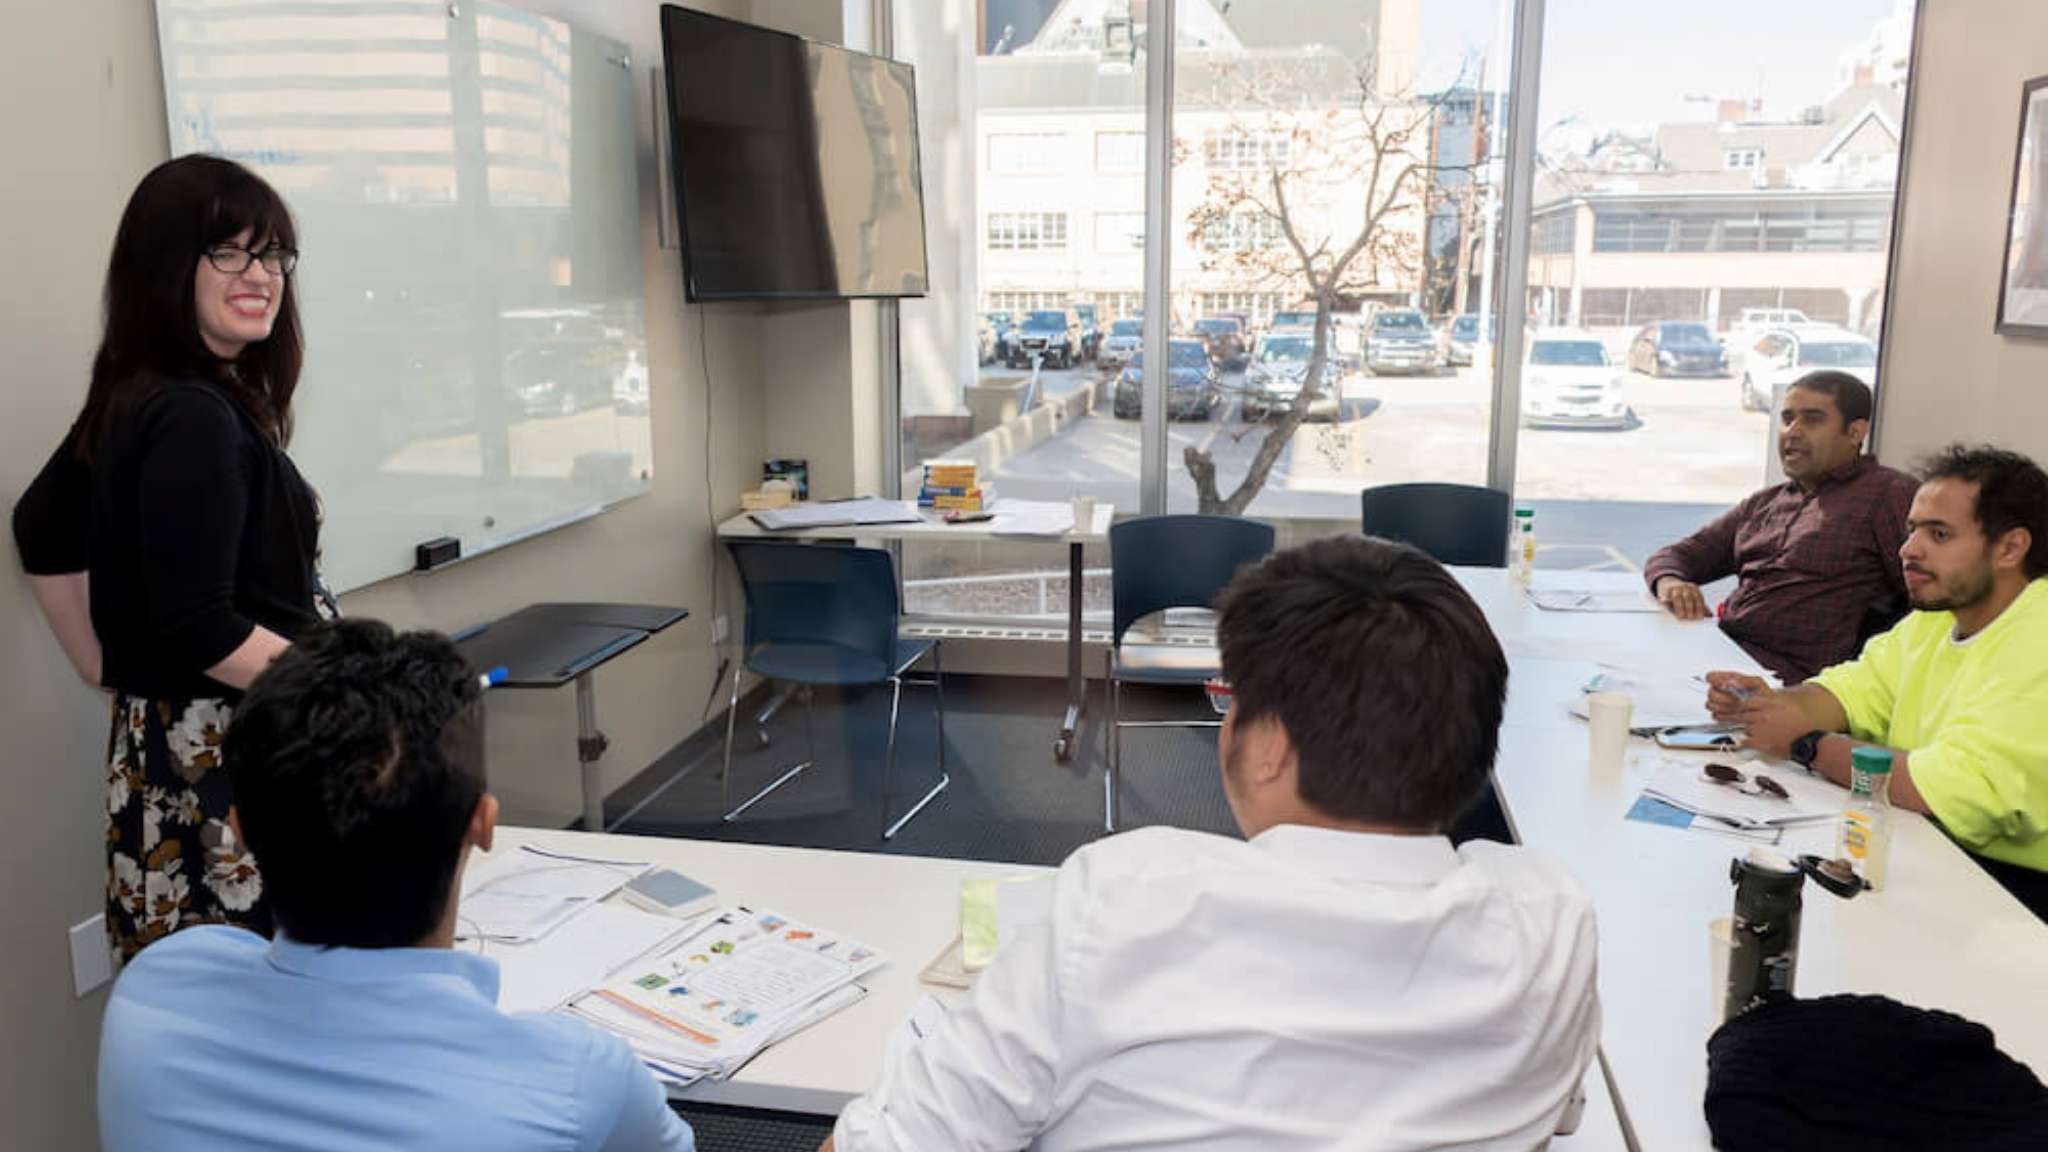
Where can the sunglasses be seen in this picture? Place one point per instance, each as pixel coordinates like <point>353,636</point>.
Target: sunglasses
<point>1734,778</point>
<point>1219,694</point>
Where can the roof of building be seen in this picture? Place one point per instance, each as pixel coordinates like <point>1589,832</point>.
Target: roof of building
<point>1693,157</point>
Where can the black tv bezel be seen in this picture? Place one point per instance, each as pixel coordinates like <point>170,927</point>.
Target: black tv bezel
<point>691,292</point>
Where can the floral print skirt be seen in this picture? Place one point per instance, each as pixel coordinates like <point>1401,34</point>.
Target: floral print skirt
<point>172,860</point>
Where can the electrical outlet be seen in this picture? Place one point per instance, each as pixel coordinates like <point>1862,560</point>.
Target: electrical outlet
<point>92,958</point>
<point>720,628</point>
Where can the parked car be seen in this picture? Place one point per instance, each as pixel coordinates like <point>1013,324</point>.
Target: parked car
<point>1282,321</point>
<point>1279,364</point>
<point>984,342</point>
<point>1124,339</point>
<point>1400,341</point>
<point>1569,381</point>
<point>1751,323</point>
<point>629,391</point>
<point>1193,391</point>
<point>1463,343</point>
<point>1224,337</point>
<point>558,379</point>
<point>1053,335</point>
<point>1677,348</point>
<point>1002,327</point>
<point>1091,331</point>
<point>1779,357</point>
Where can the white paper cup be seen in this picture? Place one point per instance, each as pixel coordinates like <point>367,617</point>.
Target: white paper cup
<point>1084,513</point>
<point>1720,949</point>
<point>1607,716</point>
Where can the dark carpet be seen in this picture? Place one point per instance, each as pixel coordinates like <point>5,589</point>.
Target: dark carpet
<point>1009,801</point>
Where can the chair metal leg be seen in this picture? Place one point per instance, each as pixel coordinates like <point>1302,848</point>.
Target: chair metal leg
<point>810,747</point>
<point>1111,782</point>
<point>732,711</point>
<point>938,683</point>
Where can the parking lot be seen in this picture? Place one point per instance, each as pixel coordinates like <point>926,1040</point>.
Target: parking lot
<point>1690,444</point>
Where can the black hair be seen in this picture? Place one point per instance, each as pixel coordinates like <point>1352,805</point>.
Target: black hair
<point>357,761</point>
<point>1382,670</point>
<point>1851,396</point>
<point>2012,492</point>
<point>182,208</point>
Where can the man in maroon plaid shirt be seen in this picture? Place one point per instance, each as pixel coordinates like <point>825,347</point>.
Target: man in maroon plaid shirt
<point>1816,557</point>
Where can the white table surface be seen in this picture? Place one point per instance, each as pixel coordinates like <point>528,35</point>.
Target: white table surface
<point>906,907</point>
<point>1941,934</point>
<point>928,526</point>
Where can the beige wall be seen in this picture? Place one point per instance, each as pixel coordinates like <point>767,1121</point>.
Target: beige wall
<point>85,120</point>
<point>1947,375</point>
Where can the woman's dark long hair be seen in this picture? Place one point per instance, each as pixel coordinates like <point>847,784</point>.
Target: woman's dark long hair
<point>182,208</point>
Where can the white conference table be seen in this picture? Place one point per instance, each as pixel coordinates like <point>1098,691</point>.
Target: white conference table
<point>1942,934</point>
<point>930,527</point>
<point>905,907</point>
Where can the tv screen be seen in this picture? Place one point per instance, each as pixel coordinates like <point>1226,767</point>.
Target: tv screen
<point>796,167</point>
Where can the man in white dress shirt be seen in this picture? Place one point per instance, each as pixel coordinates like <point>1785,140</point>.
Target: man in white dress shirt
<point>1342,978</point>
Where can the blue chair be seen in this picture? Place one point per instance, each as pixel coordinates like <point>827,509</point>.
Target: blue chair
<point>827,615</point>
<point>1161,562</point>
<point>1455,523</point>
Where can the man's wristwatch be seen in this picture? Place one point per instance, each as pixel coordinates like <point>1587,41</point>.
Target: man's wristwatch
<point>1807,747</point>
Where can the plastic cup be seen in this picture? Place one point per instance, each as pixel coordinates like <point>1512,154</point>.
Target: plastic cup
<point>1084,513</point>
<point>1720,949</point>
<point>1607,715</point>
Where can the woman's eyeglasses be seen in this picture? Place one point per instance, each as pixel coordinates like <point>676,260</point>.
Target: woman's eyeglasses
<point>1734,778</point>
<point>233,259</point>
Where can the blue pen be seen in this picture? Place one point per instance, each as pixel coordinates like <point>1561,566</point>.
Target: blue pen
<point>493,678</point>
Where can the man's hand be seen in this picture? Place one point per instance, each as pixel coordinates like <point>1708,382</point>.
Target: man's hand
<point>1681,598</point>
<point>1728,693</point>
<point>1771,722</point>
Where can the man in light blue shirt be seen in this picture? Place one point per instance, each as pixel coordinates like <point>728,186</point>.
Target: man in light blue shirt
<point>357,762</point>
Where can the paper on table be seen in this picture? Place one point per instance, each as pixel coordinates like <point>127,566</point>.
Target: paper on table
<point>836,513</point>
<point>1681,784</point>
<point>524,895</point>
<point>1592,600</point>
<point>1032,518</point>
<point>1650,810</point>
<point>583,952</point>
<point>1659,702</point>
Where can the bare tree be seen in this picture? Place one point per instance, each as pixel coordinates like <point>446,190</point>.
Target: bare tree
<point>1335,210</point>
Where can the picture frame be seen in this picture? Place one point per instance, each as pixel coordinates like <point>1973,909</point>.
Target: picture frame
<point>2023,280</point>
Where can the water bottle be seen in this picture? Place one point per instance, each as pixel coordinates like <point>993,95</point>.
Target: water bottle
<point>1864,836</point>
<point>1522,546</point>
<point>1766,953</point>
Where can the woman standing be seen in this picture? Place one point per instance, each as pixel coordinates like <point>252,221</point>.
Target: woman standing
<point>170,541</point>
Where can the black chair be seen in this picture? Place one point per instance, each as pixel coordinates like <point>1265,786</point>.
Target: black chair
<point>1455,523</point>
<point>827,615</point>
<point>1161,562</point>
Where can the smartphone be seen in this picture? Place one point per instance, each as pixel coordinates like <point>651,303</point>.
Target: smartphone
<point>670,893</point>
<point>958,517</point>
<point>1701,737</point>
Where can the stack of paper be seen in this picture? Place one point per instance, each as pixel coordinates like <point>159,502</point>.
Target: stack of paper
<point>836,514</point>
<point>728,989</point>
<point>1033,518</point>
<point>1683,785</point>
<point>577,956</point>
<point>1658,702</point>
<point>524,895</point>
<point>1562,599</point>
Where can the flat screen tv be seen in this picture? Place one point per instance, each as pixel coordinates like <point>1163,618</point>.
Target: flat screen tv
<point>795,164</point>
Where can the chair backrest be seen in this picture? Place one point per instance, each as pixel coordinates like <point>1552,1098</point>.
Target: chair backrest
<point>820,596</point>
<point>1160,562</point>
<point>1455,523</point>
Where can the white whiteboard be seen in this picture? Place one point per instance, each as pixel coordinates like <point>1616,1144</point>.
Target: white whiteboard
<point>464,181</point>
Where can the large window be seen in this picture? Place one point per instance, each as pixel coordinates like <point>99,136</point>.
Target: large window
<point>1767,206</point>
<point>1348,163</point>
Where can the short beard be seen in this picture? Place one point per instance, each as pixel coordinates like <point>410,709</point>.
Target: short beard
<point>1969,592</point>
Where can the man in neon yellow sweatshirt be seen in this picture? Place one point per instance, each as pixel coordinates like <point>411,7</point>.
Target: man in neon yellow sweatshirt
<point>1959,690</point>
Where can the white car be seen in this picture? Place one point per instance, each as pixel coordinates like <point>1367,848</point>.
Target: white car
<point>1777,358</point>
<point>1568,381</point>
<point>1125,338</point>
<point>1278,366</point>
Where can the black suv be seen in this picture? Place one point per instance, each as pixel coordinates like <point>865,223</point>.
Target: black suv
<point>1052,332</point>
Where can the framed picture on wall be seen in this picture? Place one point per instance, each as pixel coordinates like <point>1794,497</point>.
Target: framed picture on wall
<point>2023,288</point>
